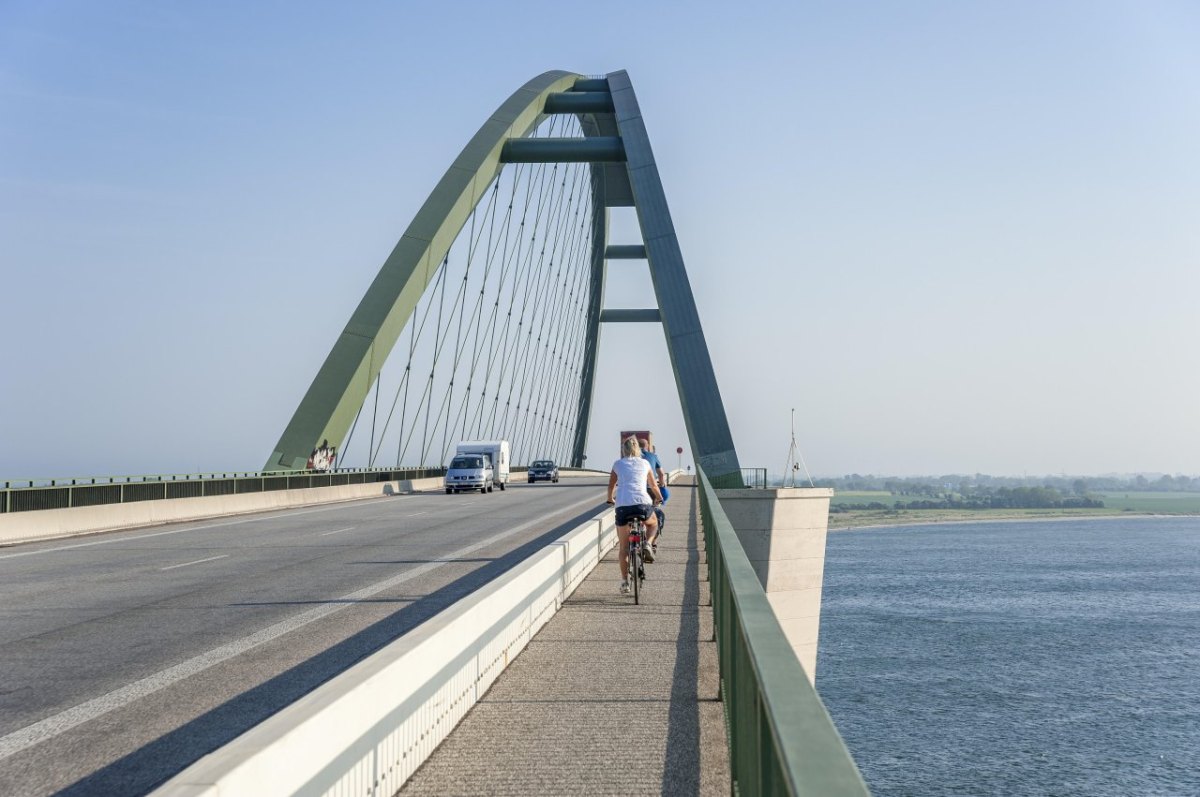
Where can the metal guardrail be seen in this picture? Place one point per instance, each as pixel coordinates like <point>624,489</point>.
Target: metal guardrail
<point>755,478</point>
<point>28,495</point>
<point>781,738</point>
<point>65,493</point>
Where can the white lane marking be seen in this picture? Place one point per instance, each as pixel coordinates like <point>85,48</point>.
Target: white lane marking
<point>339,531</point>
<point>64,721</point>
<point>198,561</point>
<point>340,505</point>
<point>417,514</point>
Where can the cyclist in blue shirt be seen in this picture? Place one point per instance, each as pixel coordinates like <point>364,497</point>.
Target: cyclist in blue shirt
<point>661,479</point>
<point>655,465</point>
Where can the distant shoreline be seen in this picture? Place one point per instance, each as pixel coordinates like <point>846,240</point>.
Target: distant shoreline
<point>1005,519</point>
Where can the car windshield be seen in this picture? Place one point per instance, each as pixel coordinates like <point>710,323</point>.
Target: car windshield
<point>543,463</point>
<point>467,462</point>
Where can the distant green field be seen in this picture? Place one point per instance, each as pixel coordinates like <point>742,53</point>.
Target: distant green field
<point>862,497</point>
<point>1165,503</point>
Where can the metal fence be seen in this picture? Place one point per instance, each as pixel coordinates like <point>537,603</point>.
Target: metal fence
<point>755,478</point>
<point>781,739</point>
<point>34,494</point>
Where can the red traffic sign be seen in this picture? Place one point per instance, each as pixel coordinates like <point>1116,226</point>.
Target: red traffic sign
<point>679,450</point>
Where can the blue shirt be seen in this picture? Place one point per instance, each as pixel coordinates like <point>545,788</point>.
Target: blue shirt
<point>655,465</point>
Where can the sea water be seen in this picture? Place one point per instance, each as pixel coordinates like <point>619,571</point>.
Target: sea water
<point>1017,658</point>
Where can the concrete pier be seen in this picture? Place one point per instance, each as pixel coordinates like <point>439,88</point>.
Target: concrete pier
<point>783,531</point>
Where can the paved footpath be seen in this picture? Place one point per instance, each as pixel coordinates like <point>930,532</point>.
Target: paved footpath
<point>609,698</point>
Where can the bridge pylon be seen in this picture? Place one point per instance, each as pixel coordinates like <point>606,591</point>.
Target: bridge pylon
<point>612,142</point>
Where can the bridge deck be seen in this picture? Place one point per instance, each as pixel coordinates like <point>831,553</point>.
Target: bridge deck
<point>572,716</point>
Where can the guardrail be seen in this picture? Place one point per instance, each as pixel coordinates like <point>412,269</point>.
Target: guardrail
<point>755,478</point>
<point>28,495</point>
<point>781,738</point>
<point>99,491</point>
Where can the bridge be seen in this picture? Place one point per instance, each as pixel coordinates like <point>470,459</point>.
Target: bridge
<point>297,631</point>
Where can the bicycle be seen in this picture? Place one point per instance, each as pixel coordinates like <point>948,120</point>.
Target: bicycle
<point>637,572</point>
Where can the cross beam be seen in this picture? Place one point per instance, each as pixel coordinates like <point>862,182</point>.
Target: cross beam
<point>600,149</point>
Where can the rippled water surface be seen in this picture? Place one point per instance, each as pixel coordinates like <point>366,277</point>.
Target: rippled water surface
<point>1048,658</point>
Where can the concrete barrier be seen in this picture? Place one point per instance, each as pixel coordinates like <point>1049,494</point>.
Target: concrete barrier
<point>47,524</point>
<point>367,730</point>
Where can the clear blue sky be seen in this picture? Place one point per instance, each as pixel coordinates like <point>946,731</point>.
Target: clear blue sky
<point>955,237</point>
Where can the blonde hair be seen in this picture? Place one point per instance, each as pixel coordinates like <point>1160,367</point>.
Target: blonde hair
<point>630,447</point>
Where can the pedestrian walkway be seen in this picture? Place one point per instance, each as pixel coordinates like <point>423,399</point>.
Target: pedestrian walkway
<point>609,698</point>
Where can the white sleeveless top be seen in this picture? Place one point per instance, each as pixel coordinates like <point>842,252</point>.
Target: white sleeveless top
<point>631,481</point>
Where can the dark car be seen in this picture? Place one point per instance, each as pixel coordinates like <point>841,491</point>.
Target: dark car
<point>543,470</point>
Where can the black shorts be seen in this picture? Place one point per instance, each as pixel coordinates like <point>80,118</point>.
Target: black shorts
<point>627,513</point>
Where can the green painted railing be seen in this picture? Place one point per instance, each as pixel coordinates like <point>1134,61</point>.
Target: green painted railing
<point>781,738</point>
<point>27,495</point>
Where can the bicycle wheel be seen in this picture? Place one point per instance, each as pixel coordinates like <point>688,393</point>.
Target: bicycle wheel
<point>635,571</point>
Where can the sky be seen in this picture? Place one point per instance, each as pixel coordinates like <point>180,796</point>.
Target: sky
<point>952,237</point>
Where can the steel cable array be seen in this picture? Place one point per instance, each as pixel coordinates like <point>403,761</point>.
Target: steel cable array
<point>495,347</point>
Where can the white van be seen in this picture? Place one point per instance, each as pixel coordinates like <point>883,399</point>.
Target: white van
<point>471,471</point>
<point>497,450</point>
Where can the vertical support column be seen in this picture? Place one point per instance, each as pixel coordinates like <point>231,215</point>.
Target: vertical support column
<point>592,340</point>
<point>783,533</point>
<point>703,409</point>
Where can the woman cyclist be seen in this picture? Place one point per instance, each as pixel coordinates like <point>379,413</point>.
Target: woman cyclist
<point>632,482</point>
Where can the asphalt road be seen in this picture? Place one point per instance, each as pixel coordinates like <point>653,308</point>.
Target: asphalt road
<point>126,656</point>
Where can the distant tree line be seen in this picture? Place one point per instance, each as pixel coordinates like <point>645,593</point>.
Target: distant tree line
<point>983,485</point>
<point>1000,498</point>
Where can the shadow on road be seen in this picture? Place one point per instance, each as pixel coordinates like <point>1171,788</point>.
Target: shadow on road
<point>150,765</point>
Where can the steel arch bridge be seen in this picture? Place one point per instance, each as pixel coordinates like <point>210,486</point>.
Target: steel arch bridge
<point>494,294</point>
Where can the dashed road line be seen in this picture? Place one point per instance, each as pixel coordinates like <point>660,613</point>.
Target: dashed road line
<point>198,561</point>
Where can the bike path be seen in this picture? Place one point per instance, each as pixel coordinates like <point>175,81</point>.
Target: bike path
<point>609,697</point>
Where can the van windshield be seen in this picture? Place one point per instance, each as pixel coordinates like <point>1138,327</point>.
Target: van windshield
<point>467,462</point>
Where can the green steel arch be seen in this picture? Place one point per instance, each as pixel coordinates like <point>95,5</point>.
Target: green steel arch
<point>623,174</point>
